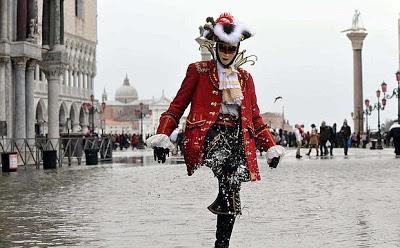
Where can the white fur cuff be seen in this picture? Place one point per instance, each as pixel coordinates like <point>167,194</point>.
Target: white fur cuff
<point>274,152</point>
<point>159,140</point>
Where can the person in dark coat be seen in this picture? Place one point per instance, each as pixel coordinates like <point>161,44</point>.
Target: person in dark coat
<point>395,134</point>
<point>345,132</point>
<point>324,136</point>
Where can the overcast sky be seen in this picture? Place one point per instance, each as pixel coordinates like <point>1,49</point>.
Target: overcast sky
<point>302,54</point>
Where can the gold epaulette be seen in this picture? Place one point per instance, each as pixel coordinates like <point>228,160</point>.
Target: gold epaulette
<point>244,74</point>
<point>202,66</point>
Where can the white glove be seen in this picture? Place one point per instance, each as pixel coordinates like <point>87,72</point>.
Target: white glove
<point>275,152</point>
<point>160,140</point>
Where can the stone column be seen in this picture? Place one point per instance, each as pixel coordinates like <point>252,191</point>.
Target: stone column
<point>3,21</point>
<point>3,64</point>
<point>65,78</point>
<point>37,73</point>
<point>75,83</point>
<point>19,107</point>
<point>357,39</point>
<point>71,78</point>
<point>86,81</point>
<point>53,76</point>
<point>92,82</point>
<point>75,126</point>
<point>9,99</point>
<point>29,99</point>
<point>80,83</point>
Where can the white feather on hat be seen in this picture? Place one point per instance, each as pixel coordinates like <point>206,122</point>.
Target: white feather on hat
<point>226,29</point>
<point>235,36</point>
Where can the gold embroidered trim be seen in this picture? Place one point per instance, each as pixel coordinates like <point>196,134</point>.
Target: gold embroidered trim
<point>170,117</point>
<point>260,130</point>
<point>202,67</point>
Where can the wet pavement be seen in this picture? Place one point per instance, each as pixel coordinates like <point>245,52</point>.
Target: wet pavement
<point>134,202</point>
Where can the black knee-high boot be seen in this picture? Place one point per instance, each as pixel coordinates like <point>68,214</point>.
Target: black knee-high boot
<point>224,230</point>
<point>228,199</point>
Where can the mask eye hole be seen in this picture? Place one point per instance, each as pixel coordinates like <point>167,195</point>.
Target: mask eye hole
<point>226,48</point>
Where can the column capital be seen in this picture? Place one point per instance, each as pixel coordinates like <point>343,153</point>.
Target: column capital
<point>54,72</point>
<point>31,64</point>
<point>54,64</point>
<point>357,39</point>
<point>4,59</point>
<point>20,62</point>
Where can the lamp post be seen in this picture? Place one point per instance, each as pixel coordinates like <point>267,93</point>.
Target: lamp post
<point>140,116</point>
<point>380,107</point>
<point>367,112</point>
<point>92,113</point>
<point>398,96</point>
<point>93,110</point>
<point>396,92</point>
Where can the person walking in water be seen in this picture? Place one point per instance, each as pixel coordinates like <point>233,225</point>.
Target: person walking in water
<point>345,131</point>
<point>313,139</point>
<point>299,139</point>
<point>324,136</point>
<point>224,123</point>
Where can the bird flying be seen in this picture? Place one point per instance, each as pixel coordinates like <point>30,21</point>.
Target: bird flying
<point>277,98</point>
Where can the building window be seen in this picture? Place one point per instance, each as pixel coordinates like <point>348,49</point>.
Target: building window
<point>79,8</point>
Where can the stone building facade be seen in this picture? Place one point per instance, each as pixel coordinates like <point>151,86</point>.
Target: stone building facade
<point>47,65</point>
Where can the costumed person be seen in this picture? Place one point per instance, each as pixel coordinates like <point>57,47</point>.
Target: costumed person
<point>395,134</point>
<point>224,123</point>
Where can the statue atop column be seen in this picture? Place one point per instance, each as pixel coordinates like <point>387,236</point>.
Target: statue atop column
<point>357,25</point>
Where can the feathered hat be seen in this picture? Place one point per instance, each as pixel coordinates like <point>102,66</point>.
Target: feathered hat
<point>225,29</point>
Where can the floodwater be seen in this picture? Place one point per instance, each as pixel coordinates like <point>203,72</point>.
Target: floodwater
<point>335,202</point>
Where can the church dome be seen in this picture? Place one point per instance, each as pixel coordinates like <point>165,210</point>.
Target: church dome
<point>126,93</point>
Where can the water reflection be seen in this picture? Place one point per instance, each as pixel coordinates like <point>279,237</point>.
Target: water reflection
<point>135,202</point>
<point>146,160</point>
<point>363,230</point>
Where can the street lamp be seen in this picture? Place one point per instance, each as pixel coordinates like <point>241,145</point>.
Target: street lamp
<point>396,92</point>
<point>380,107</point>
<point>139,114</point>
<point>367,112</point>
<point>93,110</point>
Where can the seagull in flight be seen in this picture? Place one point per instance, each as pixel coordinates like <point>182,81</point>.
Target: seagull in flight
<point>277,98</point>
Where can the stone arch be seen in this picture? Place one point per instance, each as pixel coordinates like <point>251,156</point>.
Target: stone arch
<point>83,119</point>
<point>40,118</point>
<point>74,116</point>
<point>62,117</point>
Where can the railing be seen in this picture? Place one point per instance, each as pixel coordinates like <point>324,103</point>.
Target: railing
<point>30,151</point>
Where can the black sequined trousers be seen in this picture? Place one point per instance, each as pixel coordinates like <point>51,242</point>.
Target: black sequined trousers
<point>224,154</point>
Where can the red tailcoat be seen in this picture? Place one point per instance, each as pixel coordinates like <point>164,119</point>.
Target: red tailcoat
<point>200,88</point>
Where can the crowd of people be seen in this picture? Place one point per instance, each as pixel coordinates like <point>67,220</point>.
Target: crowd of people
<point>125,141</point>
<point>325,138</point>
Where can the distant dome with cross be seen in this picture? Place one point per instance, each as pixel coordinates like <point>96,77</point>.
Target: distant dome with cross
<point>126,93</point>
